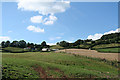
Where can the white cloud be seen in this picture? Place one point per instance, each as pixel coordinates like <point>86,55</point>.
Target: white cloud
<point>44,7</point>
<point>112,31</point>
<point>69,41</point>
<point>36,19</point>
<point>58,37</point>
<point>50,20</point>
<point>35,29</point>
<point>4,38</point>
<point>53,18</point>
<point>51,44</point>
<point>99,35</point>
<point>9,31</point>
<point>46,21</point>
<point>54,38</point>
<point>95,36</point>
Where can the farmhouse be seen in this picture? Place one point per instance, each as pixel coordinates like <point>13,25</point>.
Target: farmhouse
<point>45,49</point>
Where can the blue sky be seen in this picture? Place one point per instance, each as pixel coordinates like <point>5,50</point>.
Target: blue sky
<point>79,20</point>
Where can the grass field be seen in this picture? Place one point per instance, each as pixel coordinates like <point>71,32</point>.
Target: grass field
<point>106,45</point>
<point>56,47</point>
<point>109,50</point>
<point>14,50</point>
<point>92,53</point>
<point>54,65</point>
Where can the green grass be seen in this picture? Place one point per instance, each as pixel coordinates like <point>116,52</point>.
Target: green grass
<point>109,50</point>
<point>106,45</point>
<point>56,47</point>
<point>21,65</point>
<point>14,50</point>
<point>84,46</point>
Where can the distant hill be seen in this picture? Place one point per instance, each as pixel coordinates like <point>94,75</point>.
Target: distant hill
<point>56,47</point>
<point>112,45</point>
<point>106,41</point>
<point>111,36</point>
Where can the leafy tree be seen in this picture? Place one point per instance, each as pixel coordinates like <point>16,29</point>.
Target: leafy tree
<point>7,43</point>
<point>14,44</point>
<point>28,44</point>
<point>64,44</point>
<point>78,42</point>
<point>22,44</point>
<point>43,44</point>
<point>3,44</point>
<point>38,47</point>
<point>57,43</point>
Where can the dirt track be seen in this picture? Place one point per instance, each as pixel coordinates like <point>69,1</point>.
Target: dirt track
<point>92,53</point>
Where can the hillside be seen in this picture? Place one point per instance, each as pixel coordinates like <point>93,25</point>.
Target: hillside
<point>13,50</point>
<point>112,45</point>
<point>56,65</point>
<point>106,41</point>
<point>56,47</point>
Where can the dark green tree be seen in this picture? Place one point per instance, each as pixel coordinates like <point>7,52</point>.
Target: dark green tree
<point>43,44</point>
<point>3,44</point>
<point>7,43</point>
<point>22,44</point>
<point>14,44</point>
<point>64,44</point>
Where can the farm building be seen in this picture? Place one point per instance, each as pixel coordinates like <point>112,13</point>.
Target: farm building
<point>45,49</point>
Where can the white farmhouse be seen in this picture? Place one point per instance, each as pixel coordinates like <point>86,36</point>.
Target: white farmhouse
<point>45,49</point>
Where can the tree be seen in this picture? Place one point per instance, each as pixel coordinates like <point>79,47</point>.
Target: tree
<point>3,44</point>
<point>22,44</point>
<point>31,45</point>
<point>78,42</point>
<point>43,44</point>
<point>57,43</point>
<point>38,47</point>
<point>28,44</point>
<point>64,44</point>
<point>14,44</point>
<point>7,43</point>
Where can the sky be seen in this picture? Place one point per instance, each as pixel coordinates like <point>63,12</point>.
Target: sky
<point>56,21</point>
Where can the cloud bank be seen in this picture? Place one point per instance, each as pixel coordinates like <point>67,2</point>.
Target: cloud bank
<point>44,7</point>
<point>99,35</point>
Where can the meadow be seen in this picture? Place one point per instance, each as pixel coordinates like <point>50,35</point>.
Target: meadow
<point>109,50</point>
<point>56,65</point>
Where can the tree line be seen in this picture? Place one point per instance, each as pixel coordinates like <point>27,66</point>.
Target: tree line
<point>24,44</point>
<point>89,43</point>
